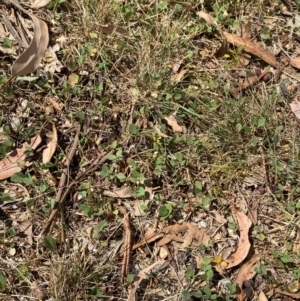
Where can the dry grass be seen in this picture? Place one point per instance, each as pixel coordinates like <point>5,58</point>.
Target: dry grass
<point>234,148</point>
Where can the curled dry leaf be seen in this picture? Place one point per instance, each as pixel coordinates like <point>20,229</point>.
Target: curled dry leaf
<point>140,276</point>
<point>252,48</point>
<point>14,162</point>
<point>248,45</point>
<point>172,122</point>
<point>295,62</point>
<point>39,3</point>
<point>30,59</point>
<point>244,244</point>
<point>246,272</point>
<point>49,151</point>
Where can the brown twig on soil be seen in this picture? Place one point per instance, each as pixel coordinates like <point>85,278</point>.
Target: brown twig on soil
<point>127,243</point>
<point>51,221</point>
<point>62,183</point>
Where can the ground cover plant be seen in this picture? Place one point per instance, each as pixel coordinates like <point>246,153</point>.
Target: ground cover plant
<point>149,150</point>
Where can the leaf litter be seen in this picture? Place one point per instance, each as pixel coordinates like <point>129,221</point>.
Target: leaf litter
<point>14,162</point>
<point>184,234</point>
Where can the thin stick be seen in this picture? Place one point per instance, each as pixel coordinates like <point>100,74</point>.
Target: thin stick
<point>62,181</point>
<point>50,224</point>
<point>127,242</point>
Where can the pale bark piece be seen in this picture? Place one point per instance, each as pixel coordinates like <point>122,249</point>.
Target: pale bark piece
<point>49,151</point>
<point>143,274</point>
<point>295,62</point>
<point>30,59</point>
<point>172,122</point>
<point>14,162</point>
<point>39,3</point>
<point>252,48</point>
<point>295,107</point>
<point>244,244</point>
<point>246,272</point>
<point>110,29</point>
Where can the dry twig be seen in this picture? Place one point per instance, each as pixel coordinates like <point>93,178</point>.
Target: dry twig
<point>60,201</point>
<point>127,242</point>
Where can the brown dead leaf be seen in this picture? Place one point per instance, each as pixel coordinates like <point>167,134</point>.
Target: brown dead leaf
<point>295,107</point>
<point>172,122</point>
<point>30,59</point>
<point>246,272</point>
<point>143,274</point>
<point>295,62</point>
<point>110,29</point>
<point>13,163</point>
<point>244,244</point>
<point>248,45</point>
<point>252,48</point>
<point>39,3</point>
<point>176,78</point>
<point>122,193</point>
<point>49,151</point>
